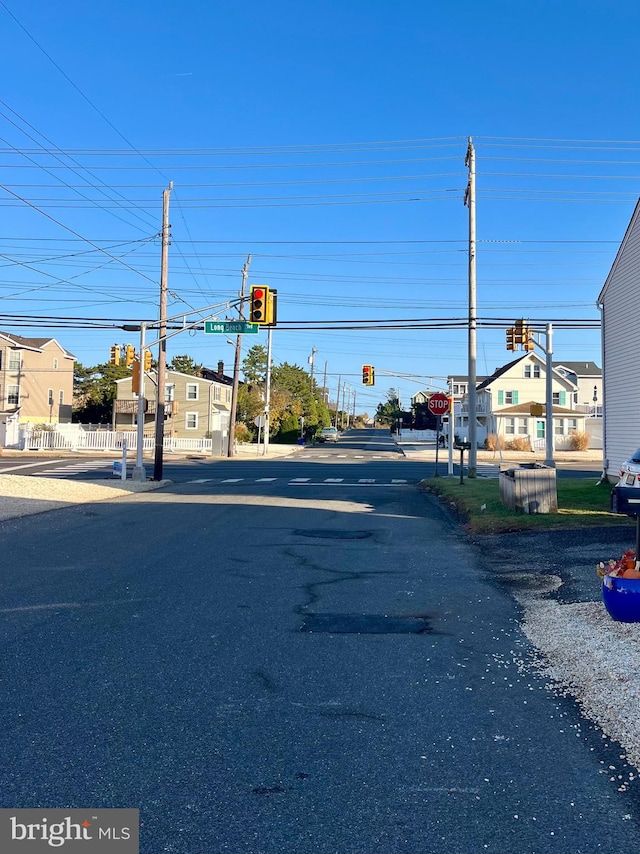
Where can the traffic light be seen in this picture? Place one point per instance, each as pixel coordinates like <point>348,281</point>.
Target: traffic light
<point>129,355</point>
<point>521,332</point>
<point>368,375</point>
<point>511,339</point>
<point>259,304</point>
<point>529,343</point>
<point>135,377</point>
<point>115,355</point>
<point>272,307</point>
<point>147,360</point>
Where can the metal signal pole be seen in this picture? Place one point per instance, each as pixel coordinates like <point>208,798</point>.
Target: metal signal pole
<point>236,366</point>
<point>470,201</point>
<point>162,332</point>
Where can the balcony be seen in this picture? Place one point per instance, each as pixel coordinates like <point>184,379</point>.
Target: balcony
<point>130,407</point>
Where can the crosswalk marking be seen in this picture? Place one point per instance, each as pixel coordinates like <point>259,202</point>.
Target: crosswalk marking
<point>398,481</point>
<point>300,480</point>
<point>333,479</point>
<point>367,480</point>
<point>265,479</point>
<point>232,480</point>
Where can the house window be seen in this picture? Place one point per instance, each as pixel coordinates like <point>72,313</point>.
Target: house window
<point>169,392</point>
<point>191,420</point>
<point>61,397</point>
<point>50,397</point>
<point>560,398</point>
<point>192,391</point>
<point>55,364</point>
<point>15,360</point>
<point>527,371</point>
<point>510,426</point>
<point>536,372</point>
<point>228,395</point>
<point>456,389</point>
<point>1,358</point>
<point>558,426</point>
<point>532,371</point>
<point>573,424</point>
<point>216,392</point>
<point>13,395</point>
<point>522,426</point>
<point>508,397</point>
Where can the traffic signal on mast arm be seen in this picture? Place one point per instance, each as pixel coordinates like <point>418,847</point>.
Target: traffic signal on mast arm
<point>259,300</point>
<point>529,343</point>
<point>147,360</point>
<point>521,331</point>
<point>511,339</point>
<point>135,377</point>
<point>368,375</point>
<point>129,355</point>
<point>115,355</point>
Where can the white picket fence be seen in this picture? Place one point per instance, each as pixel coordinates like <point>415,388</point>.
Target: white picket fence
<point>107,440</point>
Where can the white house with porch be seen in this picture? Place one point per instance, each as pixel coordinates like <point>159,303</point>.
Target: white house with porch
<point>511,404</point>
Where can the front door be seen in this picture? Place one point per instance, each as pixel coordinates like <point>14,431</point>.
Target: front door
<point>540,428</point>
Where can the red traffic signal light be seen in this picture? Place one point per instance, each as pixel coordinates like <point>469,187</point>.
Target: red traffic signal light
<point>260,305</point>
<point>368,375</point>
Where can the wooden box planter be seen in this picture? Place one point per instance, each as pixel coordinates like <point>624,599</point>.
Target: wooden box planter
<point>529,488</point>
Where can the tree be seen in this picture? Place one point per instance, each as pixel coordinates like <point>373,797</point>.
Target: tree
<point>94,390</point>
<point>185,365</point>
<point>389,411</point>
<point>254,366</point>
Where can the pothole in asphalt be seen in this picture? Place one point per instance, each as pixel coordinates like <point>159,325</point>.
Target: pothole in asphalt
<point>365,624</point>
<point>331,534</point>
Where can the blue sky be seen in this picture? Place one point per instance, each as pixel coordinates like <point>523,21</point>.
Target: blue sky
<point>327,140</point>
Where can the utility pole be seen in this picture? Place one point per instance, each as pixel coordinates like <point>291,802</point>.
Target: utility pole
<point>162,345</point>
<point>470,201</point>
<point>139,472</point>
<point>338,399</point>
<point>236,366</point>
<point>325,391</point>
<point>311,362</point>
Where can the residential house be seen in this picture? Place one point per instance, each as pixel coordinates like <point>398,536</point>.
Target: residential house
<point>504,403</point>
<point>587,377</point>
<point>618,304</point>
<point>36,384</point>
<point>195,407</point>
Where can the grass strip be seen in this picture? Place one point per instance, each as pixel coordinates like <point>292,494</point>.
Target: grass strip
<point>582,503</point>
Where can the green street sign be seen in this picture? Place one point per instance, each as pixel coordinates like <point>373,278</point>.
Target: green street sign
<point>230,327</point>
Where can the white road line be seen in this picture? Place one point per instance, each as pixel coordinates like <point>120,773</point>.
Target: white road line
<point>32,465</point>
<point>202,480</point>
<point>232,480</point>
<point>366,480</point>
<point>265,479</point>
<point>300,480</point>
<point>398,481</point>
<point>333,479</point>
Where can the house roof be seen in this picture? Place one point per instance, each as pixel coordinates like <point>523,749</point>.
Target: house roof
<point>500,371</point>
<point>630,228</point>
<point>525,409</point>
<point>34,343</point>
<point>580,369</point>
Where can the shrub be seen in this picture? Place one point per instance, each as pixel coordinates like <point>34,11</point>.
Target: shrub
<point>492,442</point>
<point>242,433</point>
<point>579,440</point>
<point>518,443</point>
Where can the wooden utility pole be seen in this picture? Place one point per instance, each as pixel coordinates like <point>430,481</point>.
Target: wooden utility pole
<point>236,366</point>
<point>162,333</point>
<point>470,201</point>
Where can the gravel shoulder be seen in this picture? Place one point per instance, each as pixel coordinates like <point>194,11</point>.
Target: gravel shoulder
<point>25,496</point>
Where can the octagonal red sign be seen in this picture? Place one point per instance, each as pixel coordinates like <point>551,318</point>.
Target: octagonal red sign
<point>438,404</point>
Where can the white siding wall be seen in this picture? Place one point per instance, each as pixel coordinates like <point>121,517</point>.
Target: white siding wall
<point>621,355</point>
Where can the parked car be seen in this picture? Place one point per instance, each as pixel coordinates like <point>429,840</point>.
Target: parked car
<point>630,471</point>
<point>329,434</point>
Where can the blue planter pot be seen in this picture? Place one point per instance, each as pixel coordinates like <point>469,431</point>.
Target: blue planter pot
<point>621,597</point>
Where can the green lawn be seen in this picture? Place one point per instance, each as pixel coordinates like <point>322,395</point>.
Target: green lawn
<point>581,503</point>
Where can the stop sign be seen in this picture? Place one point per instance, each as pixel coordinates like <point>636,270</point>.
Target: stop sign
<point>438,404</point>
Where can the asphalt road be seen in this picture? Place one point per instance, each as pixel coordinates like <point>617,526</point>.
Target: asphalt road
<point>290,669</point>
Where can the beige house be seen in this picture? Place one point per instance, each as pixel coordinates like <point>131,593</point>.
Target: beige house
<point>195,407</point>
<point>36,383</point>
